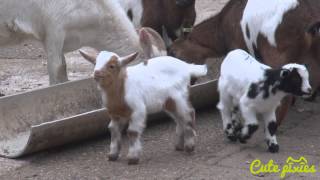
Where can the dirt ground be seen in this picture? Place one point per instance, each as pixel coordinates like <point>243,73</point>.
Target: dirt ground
<point>23,68</point>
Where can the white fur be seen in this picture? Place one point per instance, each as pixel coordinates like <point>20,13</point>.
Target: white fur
<point>103,58</point>
<point>149,86</point>
<point>162,78</point>
<point>264,17</point>
<point>157,51</point>
<point>64,26</point>
<point>136,8</point>
<point>239,71</point>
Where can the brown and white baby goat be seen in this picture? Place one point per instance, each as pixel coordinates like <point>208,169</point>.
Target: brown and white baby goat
<point>130,93</point>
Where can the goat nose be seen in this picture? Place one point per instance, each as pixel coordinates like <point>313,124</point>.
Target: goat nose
<point>309,90</point>
<point>97,74</point>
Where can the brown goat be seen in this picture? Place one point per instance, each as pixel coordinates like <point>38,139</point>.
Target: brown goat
<point>296,37</point>
<point>168,14</point>
<point>170,18</point>
<point>214,37</point>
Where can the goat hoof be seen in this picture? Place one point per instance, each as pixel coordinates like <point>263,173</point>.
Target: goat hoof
<point>273,148</point>
<point>113,157</point>
<point>243,140</point>
<point>179,148</point>
<point>133,161</point>
<point>312,98</point>
<point>189,149</point>
<point>232,138</point>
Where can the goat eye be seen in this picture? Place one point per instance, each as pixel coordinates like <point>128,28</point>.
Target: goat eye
<point>111,66</point>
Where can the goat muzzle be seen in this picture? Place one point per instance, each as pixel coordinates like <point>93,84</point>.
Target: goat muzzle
<point>98,75</point>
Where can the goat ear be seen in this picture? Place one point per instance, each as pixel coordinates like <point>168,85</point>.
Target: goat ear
<point>90,55</point>
<point>128,59</point>
<point>284,73</point>
<point>145,42</point>
<point>314,29</point>
<point>152,43</point>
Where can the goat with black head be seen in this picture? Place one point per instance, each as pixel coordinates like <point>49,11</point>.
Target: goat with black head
<point>249,89</point>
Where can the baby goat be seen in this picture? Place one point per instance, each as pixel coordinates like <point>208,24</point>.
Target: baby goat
<point>256,90</point>
<point>130,93</point>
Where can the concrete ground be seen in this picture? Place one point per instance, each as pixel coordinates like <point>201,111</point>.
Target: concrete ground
<point>23,67</point>
<point>214,158</point>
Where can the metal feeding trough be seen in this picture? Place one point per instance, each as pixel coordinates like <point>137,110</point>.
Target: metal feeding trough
<point>65,113</point>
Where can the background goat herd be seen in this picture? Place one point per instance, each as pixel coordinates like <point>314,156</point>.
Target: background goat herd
<point>23,66</point>
<point>212,156</point>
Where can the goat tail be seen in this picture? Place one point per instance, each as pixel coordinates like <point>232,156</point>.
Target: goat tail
<point>198,70</point>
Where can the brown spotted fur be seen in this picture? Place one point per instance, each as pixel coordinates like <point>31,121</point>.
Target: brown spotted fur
<point>222,33</point>
<point>166,13</point>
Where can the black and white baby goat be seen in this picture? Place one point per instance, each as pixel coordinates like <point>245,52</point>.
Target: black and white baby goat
<point>249,89</point>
